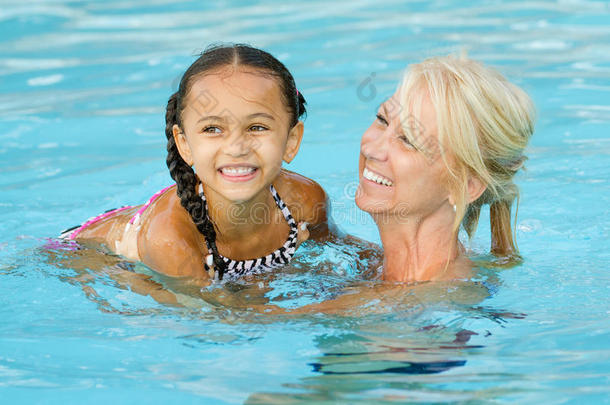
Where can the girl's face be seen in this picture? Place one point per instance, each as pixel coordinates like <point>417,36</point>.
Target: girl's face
<point>402,173</point>
<point>236,131</point>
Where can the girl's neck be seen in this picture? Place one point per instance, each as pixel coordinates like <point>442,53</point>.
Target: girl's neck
<point>417,249</point>
<point>235,221</point>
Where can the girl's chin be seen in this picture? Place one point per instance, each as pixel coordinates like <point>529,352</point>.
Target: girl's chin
<point>239,196</point>
<point>237,193</point>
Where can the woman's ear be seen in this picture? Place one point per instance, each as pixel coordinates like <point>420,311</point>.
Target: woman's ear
<point>294,141</point>
<point>476,187</point>
<point>183,147</point>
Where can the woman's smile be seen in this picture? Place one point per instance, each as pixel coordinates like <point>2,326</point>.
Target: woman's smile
<point>376,178</point>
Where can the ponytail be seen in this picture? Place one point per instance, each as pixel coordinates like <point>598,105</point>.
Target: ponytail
<point>502,238</point>
<point>502,241</point>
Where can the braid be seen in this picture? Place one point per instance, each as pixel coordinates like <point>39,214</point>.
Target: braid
<point>186,184</point>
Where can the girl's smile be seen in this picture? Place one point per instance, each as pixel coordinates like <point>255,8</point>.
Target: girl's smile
<point>238,172</point>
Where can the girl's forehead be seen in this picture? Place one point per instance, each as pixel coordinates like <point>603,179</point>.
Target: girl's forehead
<point>235,88</point>
<point>238,81</point>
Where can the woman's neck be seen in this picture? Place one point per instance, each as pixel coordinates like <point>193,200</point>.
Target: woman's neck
<point>417,249</point>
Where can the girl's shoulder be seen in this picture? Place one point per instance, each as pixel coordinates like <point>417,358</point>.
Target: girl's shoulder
<point>168,240</point>
<point>306,199</point>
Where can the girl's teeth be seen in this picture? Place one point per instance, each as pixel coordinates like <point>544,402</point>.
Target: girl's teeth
<point>237,170</point>
<point>367,174</point>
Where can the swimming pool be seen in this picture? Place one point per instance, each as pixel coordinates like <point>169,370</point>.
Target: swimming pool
<point>83,90</point>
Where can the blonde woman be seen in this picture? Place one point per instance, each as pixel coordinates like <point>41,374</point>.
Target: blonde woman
<point>447,142</point>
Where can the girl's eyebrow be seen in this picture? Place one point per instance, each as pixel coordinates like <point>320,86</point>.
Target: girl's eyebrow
<point>263,115</point>
<point>219,118</point>
<point>211,118</point>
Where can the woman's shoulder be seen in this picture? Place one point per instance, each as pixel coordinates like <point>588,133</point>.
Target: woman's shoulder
<point>306,199</point>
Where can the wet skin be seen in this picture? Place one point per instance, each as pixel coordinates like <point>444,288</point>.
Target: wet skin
<point>236,145</point>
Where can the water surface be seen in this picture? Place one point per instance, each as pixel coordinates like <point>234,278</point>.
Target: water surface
<point>83,87</point>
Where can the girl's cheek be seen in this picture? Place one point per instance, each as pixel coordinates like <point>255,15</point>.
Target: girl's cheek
<point>271,148</point>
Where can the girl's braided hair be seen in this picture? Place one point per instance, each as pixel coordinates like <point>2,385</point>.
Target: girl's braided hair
<point>215,57</point>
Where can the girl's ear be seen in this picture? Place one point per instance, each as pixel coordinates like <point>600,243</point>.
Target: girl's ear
<point>294,141</point>
<point>183,147</point>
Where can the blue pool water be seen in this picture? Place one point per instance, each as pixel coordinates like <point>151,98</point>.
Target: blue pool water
<point>83,86</point>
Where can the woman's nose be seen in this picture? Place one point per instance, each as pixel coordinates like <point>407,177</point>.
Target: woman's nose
<point>374,144</point>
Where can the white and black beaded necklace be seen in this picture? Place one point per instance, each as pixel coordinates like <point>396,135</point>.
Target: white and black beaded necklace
<point>277,258</point>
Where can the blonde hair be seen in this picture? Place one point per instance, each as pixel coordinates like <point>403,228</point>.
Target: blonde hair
<point>484,124</point>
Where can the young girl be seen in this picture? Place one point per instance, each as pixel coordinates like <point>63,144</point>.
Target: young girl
<point>233,120</point>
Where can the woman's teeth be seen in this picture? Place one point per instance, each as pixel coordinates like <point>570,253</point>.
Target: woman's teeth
<point>237,171</point>
<point>367,174</point>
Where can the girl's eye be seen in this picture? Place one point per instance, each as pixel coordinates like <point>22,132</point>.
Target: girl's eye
<point>381,119</point>
<point>257,128</point>
<point>212,130</point>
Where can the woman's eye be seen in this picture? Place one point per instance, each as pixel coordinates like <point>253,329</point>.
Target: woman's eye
<point>381,119</point>
<point>406,140</point>
<point>212,130</point>
<point>257,128</point>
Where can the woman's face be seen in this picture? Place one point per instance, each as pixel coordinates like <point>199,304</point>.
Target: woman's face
<point>401,170</point>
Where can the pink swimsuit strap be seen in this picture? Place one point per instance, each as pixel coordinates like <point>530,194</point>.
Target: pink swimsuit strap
<point>93,220</point>
<point>73,234</point>
<point>137,215</point>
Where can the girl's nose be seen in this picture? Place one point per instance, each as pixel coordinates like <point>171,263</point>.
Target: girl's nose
<point>239,145</point>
